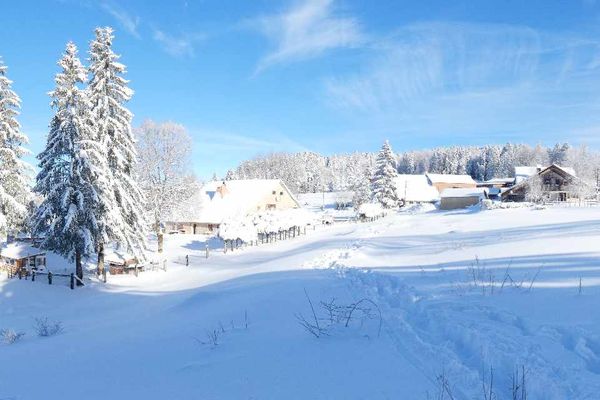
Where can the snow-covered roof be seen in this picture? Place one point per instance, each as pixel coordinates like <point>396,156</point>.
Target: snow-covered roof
<point>522,173</point>
<point>19,250</point>
<point>464,192</point>
<point>117,255</point>
<point>415,188</point>
<point>237,198</point>
<point>449,178</point>
<point>499,181</point>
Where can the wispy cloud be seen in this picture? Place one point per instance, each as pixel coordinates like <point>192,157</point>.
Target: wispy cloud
<point>220,150</point>
<point>306,30</point>
<point>178,46</point>
<point>440,78</point>
<point>129,22</point>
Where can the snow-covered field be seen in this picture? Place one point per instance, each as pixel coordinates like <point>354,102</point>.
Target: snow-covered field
<point>460,293</point>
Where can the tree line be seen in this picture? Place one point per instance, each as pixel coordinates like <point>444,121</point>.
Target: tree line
<point>307,172</point>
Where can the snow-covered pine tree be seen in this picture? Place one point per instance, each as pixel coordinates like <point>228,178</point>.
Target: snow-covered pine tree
<point>73,172</point>
<point>108,92</point>
<point>362,189</point>
<point>14,172</point>
<point>382,184</point>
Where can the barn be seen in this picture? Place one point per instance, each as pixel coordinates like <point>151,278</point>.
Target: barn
<point>450,181</point>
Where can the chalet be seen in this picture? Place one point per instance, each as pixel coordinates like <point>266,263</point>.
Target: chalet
<point>456,198</point>
<point>222,200</point>
<point>556,184</point>
<point>22,255</point>
<point>415,189</point>
<point>449,181</point>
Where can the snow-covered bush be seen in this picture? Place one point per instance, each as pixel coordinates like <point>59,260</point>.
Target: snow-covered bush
<point>247,228</point>
<point>370,210</point>
<point>495,205</point>
<point>9,336</point>
<point>45,328</point>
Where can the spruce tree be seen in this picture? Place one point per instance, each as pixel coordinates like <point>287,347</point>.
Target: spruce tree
<point>383,185</point>
<point>72,179</point>
<point>14,172</point>
<point>108,92</point>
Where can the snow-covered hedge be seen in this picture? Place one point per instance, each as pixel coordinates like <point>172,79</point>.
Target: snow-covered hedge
<point>370,210</point>
<point>495,205</point>
<point>248,227</point>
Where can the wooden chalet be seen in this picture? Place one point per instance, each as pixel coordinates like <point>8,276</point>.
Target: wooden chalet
<point>557,185</point>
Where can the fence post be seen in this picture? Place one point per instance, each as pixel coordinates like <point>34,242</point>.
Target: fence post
<point>32,275</point>
<point>49,278</point>
<point>72,281</point>
<point>135,270</point>
<point>165,265</point>
<point>20,273</point>
<point>104,275</point>
<point>187,260</point>
<point>206,251</point>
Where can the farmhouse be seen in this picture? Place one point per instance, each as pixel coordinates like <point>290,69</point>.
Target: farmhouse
<point>455,198</point>
<point>22,255</point>
<point>553,183</point>
<point>415,189</point>
<point>449,181</point>
<point>222,200</point>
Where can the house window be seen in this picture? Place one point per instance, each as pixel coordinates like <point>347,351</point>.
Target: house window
<point>281,193</point>
<point>274,192</point>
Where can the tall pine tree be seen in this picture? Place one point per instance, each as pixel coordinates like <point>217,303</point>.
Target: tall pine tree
<point>383,184</point>
<point>14,172</point>
<point>108,92</point>
<point>72,179</point>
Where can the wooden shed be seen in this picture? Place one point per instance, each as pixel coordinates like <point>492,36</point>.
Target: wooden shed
<point>456,198</point>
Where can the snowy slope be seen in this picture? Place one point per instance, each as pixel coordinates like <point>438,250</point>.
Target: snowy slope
<point>431,275</point>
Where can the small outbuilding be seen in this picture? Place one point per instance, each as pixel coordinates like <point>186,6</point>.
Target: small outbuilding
<point>120,262</point>
<point>22,255</point>
<point>457,198</point>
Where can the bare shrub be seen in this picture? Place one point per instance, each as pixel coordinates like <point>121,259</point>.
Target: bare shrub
<point>333,314</point>
<point>9,336</point>
<point>46,328</point>
<point>518,388</point>
<point>212,337</point>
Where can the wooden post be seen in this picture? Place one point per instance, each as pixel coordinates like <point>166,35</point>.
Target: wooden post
<point>187,260</point>
<point>72,281</point>
<point>104,275</point>
<point>20,273</point>
<point>32,275</point>
<point>49,278</point>
<point>206,251</point>
<point>135,270</point>
<point>165,265</point>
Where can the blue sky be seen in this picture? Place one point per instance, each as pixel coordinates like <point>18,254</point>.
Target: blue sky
<point>250,77</point>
